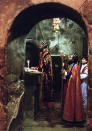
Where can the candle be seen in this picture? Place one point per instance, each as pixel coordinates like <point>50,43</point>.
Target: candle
<point>28,61</point>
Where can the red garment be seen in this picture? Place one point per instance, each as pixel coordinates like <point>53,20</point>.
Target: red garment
<point>73,106</point>
<point>46,65</point>
<point>65,86</point>
<point>42,57</point>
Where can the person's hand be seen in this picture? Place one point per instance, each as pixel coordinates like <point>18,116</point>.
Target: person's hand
<point>63,64</point>
<point>62,71</point>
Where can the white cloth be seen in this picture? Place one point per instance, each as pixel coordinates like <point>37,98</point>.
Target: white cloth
<point>83,77</point>
<point>65,73</point>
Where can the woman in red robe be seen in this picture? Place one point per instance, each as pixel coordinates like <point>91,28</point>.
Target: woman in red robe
<point>73,106</point>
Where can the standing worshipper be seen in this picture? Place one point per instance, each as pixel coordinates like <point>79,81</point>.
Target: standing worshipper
<point>73,106</point>
<point>83,77</point>
<point>46,67</point>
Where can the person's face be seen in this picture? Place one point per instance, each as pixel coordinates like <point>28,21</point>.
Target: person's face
<point>70,59</point>
<point>40,46</point>
<point>84,61</point>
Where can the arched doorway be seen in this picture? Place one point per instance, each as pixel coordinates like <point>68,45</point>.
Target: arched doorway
<point>41,12</point>
<point>23,22</point>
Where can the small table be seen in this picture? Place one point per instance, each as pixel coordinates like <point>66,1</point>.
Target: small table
<point>33,92</point>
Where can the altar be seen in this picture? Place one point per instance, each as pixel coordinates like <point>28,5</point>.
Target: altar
<point>33,92</point>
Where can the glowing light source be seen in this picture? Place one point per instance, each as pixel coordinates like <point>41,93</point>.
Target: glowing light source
<point>56,23</point>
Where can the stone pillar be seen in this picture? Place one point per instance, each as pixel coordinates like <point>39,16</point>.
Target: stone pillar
<point>2,91</point>
<point>87,16</point>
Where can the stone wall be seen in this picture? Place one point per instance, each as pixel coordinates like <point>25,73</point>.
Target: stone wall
<point>15,59</point>
<point>87,16</point>
<point>8,11</point>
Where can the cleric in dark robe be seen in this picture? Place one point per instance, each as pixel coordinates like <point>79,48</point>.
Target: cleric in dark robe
<point>73,106</point>
<point>46,66</point>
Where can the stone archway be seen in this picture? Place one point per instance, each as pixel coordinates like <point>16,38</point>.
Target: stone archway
<point>33,14</point>
<point>80,9</point>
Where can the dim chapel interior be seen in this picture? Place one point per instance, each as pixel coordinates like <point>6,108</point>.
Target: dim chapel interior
<point>63,36</point>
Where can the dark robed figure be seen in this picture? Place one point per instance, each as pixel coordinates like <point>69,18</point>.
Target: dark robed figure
<point>46,66</point>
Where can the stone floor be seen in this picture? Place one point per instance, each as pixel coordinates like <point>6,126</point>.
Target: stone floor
<point>47,120</point>
<point>44,126</point>
<point>57,128</point>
